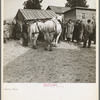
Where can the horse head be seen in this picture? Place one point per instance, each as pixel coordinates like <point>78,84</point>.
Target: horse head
<point>60,18</point>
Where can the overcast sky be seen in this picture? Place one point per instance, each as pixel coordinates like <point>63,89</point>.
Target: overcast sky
<point>11,6</point>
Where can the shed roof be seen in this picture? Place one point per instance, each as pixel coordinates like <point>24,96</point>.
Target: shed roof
<point>58,9</point>
<point>81,8</point>
<point>31,14</point>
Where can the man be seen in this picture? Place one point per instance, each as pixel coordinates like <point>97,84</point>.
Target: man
<point>82,29</point>
<point>25,33</point>
<point>72,28</point>
<point>17,31</point>
<point>88,34</point>
<point>63,30</point>
<point>6,31</point>
<point>94,32</point>
<point>75,32</point>
<point>78,31</point>
<point>69,30</point>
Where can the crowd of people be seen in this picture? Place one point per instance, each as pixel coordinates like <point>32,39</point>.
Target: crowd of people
<point>6,30</point>
<point>11,31</point>
<point>77,30</point>
<point>71,31</point>
<point>16,32</point>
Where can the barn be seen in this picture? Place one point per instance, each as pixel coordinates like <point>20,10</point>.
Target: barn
<point>31,15</point>
<point>76,13</point>
<point>80,13</point>
<point>58,10</point>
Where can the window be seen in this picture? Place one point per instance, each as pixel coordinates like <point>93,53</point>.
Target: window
<point>83,15</point>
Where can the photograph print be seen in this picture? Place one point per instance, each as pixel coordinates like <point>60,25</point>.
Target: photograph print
<point>46,41</point>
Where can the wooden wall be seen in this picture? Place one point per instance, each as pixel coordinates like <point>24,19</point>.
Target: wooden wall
<point>76,14</point>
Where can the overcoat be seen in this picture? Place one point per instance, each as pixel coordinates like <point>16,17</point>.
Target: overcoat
<point>6,31</point>
<point>88,31</point>
<point>69,30</point>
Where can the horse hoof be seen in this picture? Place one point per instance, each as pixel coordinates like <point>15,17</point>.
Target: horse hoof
<point>34,47</point>
<point>51,50</point>
<point>54,45</point>
<point>45,49</point>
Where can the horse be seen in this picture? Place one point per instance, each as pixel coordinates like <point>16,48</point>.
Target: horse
<point>50,29</point>
<point>53,31</point>
<point>34,30</point>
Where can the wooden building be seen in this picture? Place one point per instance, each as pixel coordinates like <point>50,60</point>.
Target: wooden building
<point>80,13</point>
<point>31,15</point>
<point>58,10</point>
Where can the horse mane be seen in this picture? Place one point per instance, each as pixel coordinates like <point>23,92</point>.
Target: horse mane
<point>54,19</point>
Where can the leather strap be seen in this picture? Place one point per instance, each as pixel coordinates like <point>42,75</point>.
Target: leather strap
<point>38,27</point>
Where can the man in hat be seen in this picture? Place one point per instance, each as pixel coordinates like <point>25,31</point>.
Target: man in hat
<point>75,31</point>
<point>88,34</point>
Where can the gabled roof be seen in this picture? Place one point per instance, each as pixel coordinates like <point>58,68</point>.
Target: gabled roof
<point>31,14</point>
<point>58,9</point>
<point>81,8</point>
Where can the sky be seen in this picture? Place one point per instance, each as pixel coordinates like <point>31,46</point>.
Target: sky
<point>11,6</point>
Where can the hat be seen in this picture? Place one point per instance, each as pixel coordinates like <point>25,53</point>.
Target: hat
<point>88,20</point>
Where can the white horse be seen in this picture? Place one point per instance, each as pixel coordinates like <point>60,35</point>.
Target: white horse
<point>50,29</point>
<point>53,31</point>
<point>34,30</point>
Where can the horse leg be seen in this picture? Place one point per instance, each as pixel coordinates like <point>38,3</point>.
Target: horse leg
<point>32,38</point>
<point>51,40</point>
<point>50,46</point>
<point>35,39</point>
<point>46,45</point>
<point>57,38</point>
<point>46,41</point>
<point>54,40</point>
<point>31,41</point>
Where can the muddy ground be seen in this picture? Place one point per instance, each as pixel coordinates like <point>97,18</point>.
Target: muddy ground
<point>67,63</point>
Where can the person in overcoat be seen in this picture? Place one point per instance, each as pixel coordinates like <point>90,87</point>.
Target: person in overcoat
<point>81,30</point>
<point>88,34</point>
<point>69,30</point>
<point>62,37</point>
<point>94,32</point>
<point>75,31</point>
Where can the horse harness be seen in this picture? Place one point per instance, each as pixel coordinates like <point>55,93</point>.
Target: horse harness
<point>50,31</point>
<point>38,28</point>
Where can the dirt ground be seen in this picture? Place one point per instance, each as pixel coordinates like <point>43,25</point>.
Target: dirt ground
<point>67,63</point>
